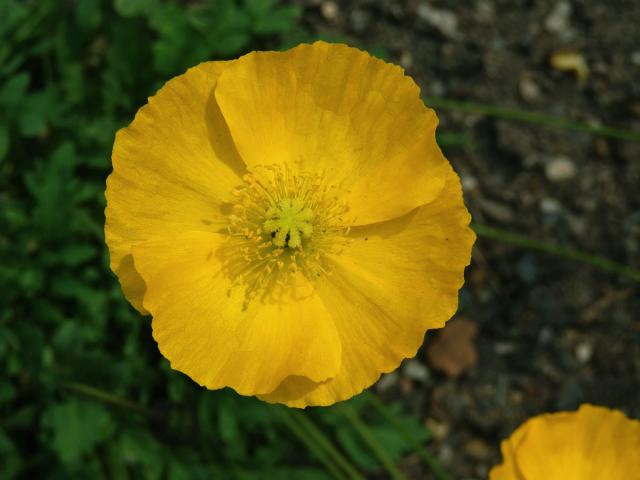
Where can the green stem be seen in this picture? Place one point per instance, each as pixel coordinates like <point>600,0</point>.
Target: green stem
<point>432,463</point>
<point>530,117</point>
<point>108,398</point>
<point>321,439</point>
<point>361,428</point>
<point>557,250</point>
<point>313,447</point>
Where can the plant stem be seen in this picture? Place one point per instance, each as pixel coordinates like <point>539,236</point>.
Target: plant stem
<point>322,440</point>
<point>109,398</point>
<point>361,428</point>
<point>432,463</point>
<point>557,250</point>
<point>313,447</point>
<point>530,117</point>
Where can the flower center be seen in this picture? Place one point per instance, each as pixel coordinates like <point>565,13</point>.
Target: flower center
<point>282,223</point>
<point>289,221</point>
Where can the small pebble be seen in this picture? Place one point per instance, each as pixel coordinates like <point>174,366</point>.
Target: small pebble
<point>359,20</point>
<point>329,10</point>
<point>527,269</point>
<point>406,59</point>
<point>545,335</point>
<point>560,169</point>
<point>557,21</point>
<point>550,206</point>
<point>469,183</point>
<point>477,449</point>
<point>439,429</point>
<point>387,381</point>
<point>436,88</point>
<point>577,225</point>
<point>529,89</point>
<point>496,210</point>
<point>415,370</point>
<point>504,348</point>
<point>635,58</point>
<point>485,12</point>
<point>533,160</point>
<point>446,454</point>
<point>584,352</point>
<point>445,21</point>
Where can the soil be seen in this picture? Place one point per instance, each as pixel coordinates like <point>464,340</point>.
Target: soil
<point>551,333</point>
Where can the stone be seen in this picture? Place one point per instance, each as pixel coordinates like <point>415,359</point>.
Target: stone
<point>550,206</point>
<point>557,20</point>
<point>584,352</point>
<point>330,10</point>
<point>387,381</point>
<point>560,169</point>
<point>415,370</point>
<point>445,21</point>
<point>529,90</point>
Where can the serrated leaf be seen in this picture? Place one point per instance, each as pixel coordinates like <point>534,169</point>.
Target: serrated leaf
<point>77,427</point>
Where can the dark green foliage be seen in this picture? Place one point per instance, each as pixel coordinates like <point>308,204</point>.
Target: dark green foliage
<point>84,392</point>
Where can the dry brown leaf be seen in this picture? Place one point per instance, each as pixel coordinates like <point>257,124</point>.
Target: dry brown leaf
<point>453,350</point>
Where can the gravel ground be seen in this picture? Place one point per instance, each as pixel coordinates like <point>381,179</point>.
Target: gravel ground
<point>540,333</point>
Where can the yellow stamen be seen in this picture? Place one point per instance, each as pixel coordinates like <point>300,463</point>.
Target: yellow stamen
<point>278,212</point>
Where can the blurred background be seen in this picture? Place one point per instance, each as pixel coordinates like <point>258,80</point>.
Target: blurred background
<point>539,102</point>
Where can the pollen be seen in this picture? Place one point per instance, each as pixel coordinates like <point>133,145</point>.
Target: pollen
<point>283,224</point>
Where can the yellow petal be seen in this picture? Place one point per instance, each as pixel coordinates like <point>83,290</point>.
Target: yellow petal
<point>393,282</point>
<point>337,110</point>
<point>202,325</point>
<point>593,442</point>
<point>173,169</point>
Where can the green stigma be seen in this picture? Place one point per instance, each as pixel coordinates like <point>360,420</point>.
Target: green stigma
<point>288,222</point>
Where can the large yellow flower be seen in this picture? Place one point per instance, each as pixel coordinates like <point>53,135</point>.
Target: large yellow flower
<point>594,443</point>
<point>289,222</point>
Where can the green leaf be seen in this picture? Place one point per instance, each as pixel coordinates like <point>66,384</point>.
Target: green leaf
<point>5,141</point>
<point>12,13</point>
<point>74,255</point>
<point>88,14</point>
<point>12,92</point>
<point>9,457</point>
<point>132,8</point>
<point>37,111</point>
<point>269,17</point>
<point>77,427</point>
<point>352,445</point>
<point>139,448</point>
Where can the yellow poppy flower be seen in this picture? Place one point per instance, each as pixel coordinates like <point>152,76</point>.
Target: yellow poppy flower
<point>289,221</point>
<point>594,443</point>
